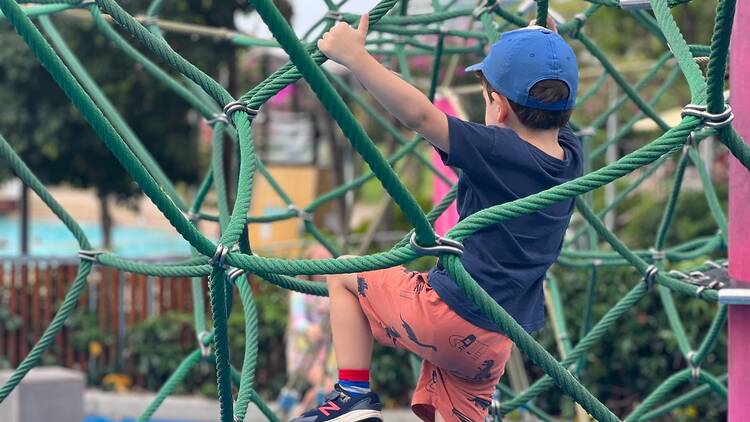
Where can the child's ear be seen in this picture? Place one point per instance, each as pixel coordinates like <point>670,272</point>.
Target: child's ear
<point>503,107</point>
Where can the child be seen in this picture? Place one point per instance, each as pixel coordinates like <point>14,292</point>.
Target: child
<point>530,80</point>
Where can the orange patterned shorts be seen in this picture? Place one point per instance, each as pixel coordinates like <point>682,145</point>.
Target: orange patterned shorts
<point>462,363</point>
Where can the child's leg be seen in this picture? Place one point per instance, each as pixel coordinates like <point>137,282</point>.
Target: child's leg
<point>352,338</point>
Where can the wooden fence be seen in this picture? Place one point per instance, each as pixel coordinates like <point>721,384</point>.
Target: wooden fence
<point>32,289</point>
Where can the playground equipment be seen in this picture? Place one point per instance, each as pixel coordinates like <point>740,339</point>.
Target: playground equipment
<point>230,261</point>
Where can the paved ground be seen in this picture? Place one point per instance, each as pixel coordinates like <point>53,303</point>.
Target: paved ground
<point>116,406</point>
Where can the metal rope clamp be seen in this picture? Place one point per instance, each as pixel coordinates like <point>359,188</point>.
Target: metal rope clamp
<point>650,276</point>
<point>711,120</point>
<point>233,106</point>
<point>220,257</point>
<point>695,370</point>
<point>657,255</point>
<point>148,20</point>
<point>587,131</point>
<point>302,214</point>
<point>205,348</point>
<point>89,255</point>
<point>443,245</point>
<point>334,15</point>
<point>85,3</point>
<point>486,6</point>
<point>690,142</point>
<point>192,217</point>
<point>233,274</point>
<point>581,19</point>
<point>219,117</point>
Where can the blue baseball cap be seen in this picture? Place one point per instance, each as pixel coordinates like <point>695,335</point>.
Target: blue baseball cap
<point>525,56</point>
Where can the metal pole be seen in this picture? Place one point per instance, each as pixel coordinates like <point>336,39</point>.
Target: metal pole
<point>739,225</point>
<point>25,210</point>
<point>610,189</point>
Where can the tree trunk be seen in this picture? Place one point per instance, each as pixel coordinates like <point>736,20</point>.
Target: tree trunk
<point>106,220</point>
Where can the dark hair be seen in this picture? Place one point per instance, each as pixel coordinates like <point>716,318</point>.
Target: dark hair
<point>546,91</point>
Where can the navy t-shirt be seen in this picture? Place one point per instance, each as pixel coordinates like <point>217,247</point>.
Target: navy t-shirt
<point>508,259</point>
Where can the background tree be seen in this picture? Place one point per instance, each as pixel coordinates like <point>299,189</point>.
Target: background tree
<point>56,142</point>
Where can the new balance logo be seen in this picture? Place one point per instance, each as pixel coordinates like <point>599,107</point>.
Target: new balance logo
<point>329,407</point>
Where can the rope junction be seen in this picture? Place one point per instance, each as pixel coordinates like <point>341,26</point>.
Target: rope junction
<point>229,262</point>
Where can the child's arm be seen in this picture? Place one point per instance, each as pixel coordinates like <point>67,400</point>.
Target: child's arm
<point>346,45</point>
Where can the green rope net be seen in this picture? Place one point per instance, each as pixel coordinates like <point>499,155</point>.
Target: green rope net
<point>228,262</point>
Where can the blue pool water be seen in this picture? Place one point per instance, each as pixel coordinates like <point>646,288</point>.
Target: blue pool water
<point>51,238</point>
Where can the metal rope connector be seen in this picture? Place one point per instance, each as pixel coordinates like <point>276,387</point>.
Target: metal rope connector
<point>239,106</point>
<point>233,274</point>
<point>486,6</point>
<point>443,245</point>
<point>220,256</point>
<point>334,15</point>
<point>695,370</point>
<point>219,117</point>
<point>89,255</point>
<point>192,217</point>
<point>711,120</point>
<point>302,214</point>
<point>230,108</point>
<point>634,4</point>
<point>205,348</point>
<point>85,3</point>
<point>580,19</point>
<point>657,255</point>
<point>715,278</point>
<point>148,20</point>
<point>650,276</point>
<point>587,131</point>
<point>690,142</point>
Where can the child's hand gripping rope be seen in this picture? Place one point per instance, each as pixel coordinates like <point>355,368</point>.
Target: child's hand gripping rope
<point>344,44</point>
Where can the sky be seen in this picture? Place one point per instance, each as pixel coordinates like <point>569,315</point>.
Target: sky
<point>306,13</point>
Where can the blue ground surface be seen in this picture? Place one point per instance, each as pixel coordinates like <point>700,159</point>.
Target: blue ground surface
<point>50,238</point>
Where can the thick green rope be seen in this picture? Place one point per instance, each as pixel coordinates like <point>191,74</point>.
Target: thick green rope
<point>205,95</point>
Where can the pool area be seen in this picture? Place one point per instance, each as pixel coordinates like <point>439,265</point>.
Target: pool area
<point>50,238</point>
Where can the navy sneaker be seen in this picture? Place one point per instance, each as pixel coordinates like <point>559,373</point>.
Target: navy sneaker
<point>341,407</point>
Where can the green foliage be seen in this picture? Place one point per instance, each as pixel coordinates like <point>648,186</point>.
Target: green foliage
<point>273,309</point>
<point>85,328</point>
<point>391,375</point>
<point>58,145</point>
<point>640,351</point>
<point>156,347</point>
<point>641,213</point>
